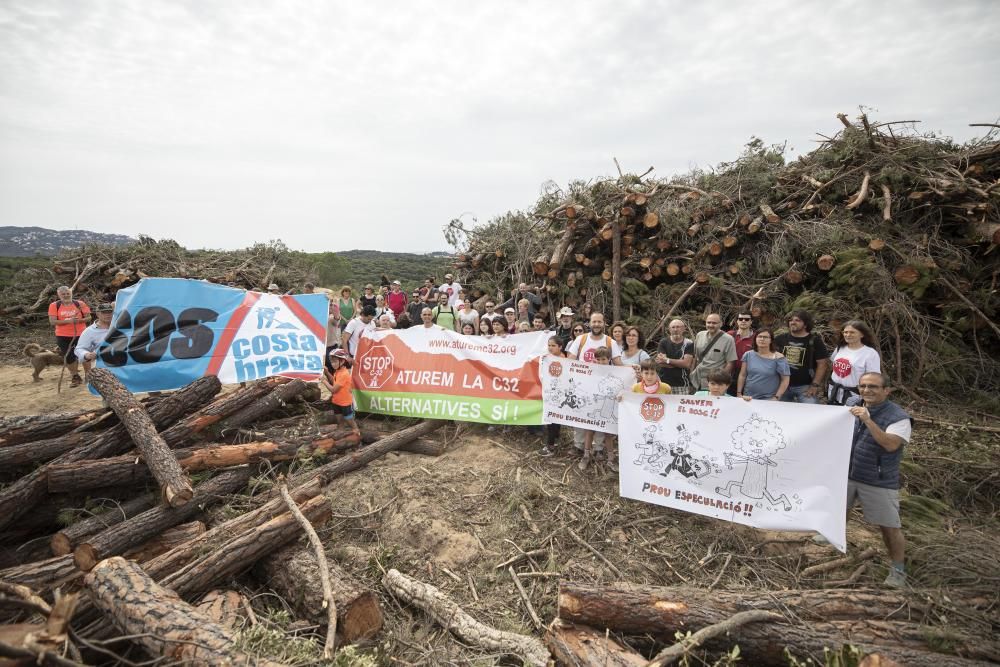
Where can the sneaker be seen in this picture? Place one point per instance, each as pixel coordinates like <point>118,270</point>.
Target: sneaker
<point>76,381</point>
<point>896,579</point>
<point>548,451</point>
<point>584,462</point>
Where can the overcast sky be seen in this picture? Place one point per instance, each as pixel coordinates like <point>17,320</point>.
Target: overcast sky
<point>339,125</point>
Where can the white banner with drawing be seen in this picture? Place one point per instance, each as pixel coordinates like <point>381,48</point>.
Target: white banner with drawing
<point>778,466</point>
<point>585,395</point>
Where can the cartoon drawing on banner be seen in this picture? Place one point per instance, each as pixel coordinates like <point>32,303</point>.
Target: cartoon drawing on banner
<point>649,449</point>
<point>683,460</point>
<point>570,398</point>
<point>606,400</point>
<point>755,442</point>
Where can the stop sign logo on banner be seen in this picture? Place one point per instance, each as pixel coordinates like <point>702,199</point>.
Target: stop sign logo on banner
<point>652,409</point>
<point>555,369</point>
<point>376,366</point>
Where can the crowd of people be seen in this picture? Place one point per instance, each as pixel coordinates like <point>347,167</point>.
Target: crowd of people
<point>746,361</point>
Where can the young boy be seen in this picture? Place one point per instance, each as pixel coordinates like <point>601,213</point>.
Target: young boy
<point>650,380</point>
<point>340,385</point>
<point>602,357</point>
<point>718,384</point>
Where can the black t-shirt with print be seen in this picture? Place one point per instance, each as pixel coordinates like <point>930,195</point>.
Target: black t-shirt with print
<point>802,353</point>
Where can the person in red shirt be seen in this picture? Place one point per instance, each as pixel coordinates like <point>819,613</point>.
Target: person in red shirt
<point>396,299</point>
<point>70,317</point>
<point>744,337</point>
<point>340,384</point>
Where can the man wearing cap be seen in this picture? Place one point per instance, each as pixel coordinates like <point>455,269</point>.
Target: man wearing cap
<point>534,301</point>
<point>510,317</point>
<point>93,336</point>
<point>450,287</point>
<point>273,289</point>
<point>354,329</point>
<point>564,329</point>
<point>396,299</point>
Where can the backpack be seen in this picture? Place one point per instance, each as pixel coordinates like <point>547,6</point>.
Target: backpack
<point>438,311</point>
<point>608,341</point>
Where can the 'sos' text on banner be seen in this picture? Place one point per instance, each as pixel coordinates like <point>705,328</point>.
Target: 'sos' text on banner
<point>168,332</point>
<point>577,393</point>
<point>439,374</point>
<point>780,466</point>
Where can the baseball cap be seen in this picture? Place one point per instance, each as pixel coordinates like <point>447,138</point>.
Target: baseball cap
<point>448,275</point>
<point>566,312</point>
<point>509,310</point>
<point>396,282</point>
<point>273,287</point>
<point>340,354</point>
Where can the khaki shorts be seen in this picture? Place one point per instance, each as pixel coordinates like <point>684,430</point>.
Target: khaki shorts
<point>879,505</point>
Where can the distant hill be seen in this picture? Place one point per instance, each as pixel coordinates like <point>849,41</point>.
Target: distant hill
<point>367,266</point>
<point>31,241</point>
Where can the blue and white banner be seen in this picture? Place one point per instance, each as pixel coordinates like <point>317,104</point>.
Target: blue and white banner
<point>779,466</point>
<point>168,332</point>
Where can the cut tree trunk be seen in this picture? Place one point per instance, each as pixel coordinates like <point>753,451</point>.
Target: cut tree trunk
<point>292,573</point>
<point>65,540</point>
<point>115,540</point>
<point>42,575</point>
<point>305,486</point>
<point>794,277</point>
<point>164,624</point>
<point>825,262</point>
<point>541,265</point>
<point>129,470</point>
<point>24,494</point>
<point>651,220</point>
<point>219,409</point>
<point>867,619</point>
<point>564,243</point>
<point>166,541</point>
<point>174,483</point>
<point>45,427</point>
<point>580,646</point>
<point>906,275</point>
<point>239,552</point>
<point>453,618</point>
<point>275,399</point>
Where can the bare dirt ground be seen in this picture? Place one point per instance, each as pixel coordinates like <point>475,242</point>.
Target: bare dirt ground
<point>19,395</point>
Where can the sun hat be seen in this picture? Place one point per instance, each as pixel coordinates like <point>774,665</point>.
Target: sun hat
<point>340,354</point>
<point>566,311</point>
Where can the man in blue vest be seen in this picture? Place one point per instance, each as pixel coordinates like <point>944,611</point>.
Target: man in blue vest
<point>881,431</point>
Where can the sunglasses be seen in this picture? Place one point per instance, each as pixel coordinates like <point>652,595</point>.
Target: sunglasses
<point>577,330</point>
<point>743,319</point>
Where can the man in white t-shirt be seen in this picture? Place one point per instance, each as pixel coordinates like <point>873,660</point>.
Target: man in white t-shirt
<point>582,348</point>
<point>450,287</point>
<point>354,329</point>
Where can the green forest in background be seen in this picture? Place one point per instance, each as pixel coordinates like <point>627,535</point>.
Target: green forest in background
<point>353,267</point>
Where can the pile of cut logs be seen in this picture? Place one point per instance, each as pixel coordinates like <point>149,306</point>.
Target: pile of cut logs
<point>149,555</point>
<point>898,229</point>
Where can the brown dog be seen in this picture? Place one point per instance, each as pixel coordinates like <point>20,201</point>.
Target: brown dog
<point>41,358</point>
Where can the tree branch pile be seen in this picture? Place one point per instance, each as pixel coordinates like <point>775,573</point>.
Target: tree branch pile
<point>96,272</point>
<point>896,228</point>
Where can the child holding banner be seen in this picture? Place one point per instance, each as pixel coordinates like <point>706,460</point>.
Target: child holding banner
<point>650,380</point>
<point>602,357</point>
<point>340,386</point>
